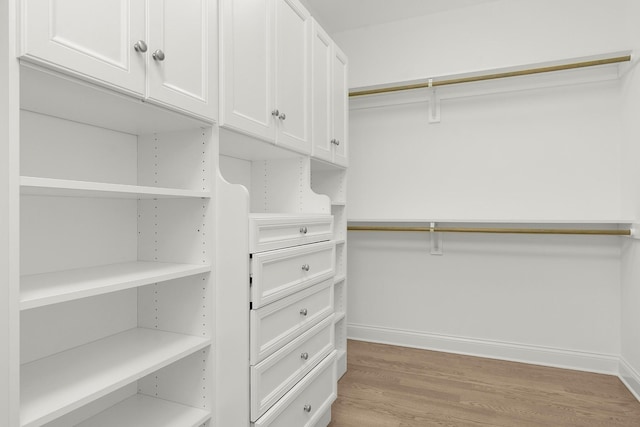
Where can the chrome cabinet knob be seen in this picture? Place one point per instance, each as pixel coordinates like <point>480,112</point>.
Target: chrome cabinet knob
<point>140,46</point>
<point>305,267</point>
<point>307,408</point>
<point>275,113</point>
<point>303,311</point>
<point>303,230</point>
<point>304,356</point>
<point>282,116</point>
<point>337,142</point>
<point>158,55</point>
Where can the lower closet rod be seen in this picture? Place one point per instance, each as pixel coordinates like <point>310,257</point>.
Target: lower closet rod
<point>596,232</point>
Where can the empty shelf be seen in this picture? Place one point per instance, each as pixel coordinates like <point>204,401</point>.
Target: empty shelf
<point>58,384</point>
<point>63,187</point>
<point>50,288</point>
<point>146,411</point>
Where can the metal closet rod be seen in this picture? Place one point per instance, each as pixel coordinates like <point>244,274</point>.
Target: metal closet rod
<point>494,76</point>
<point>593,232</point>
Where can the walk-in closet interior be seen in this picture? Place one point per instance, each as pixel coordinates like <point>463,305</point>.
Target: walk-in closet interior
<point>202,201</point>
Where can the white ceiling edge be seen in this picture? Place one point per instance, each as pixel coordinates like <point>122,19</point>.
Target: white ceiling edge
<point>337,16</point>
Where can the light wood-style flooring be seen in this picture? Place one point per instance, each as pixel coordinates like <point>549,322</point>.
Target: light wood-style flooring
<point>388,386</point>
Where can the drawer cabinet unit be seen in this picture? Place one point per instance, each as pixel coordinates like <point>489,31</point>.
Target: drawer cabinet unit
<point>269,231</point>
<point>163,51</point>
<point>305,404</point>
<point>276,274</point>
<point>291,331</point>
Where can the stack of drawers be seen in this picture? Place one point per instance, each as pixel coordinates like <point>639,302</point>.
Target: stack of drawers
<point>292,357</point>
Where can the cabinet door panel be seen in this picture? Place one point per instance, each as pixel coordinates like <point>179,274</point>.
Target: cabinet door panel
<point>185,32</point>
<point>93,38</point>
<point>293,74</point>
<point>321,93</point>
<point>340,107</point>
<point>247,75</point>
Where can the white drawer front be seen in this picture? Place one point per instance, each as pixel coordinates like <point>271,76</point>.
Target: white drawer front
<point>275,375</point>
<point>268,232</point>
<point>276,324</point>
<point>276,274</point>
<point>307,401</point>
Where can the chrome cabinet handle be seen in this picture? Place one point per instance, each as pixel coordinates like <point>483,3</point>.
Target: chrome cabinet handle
<point>158,55</point>
<point>303,311</point>
<point>282,116</point>
<point>305,267</point>
<point>275,113</point>
<point>304,356</point>
<point>307,408</point>
<point>335,141</point>
<point>140,46</point>
<point>303,230</point>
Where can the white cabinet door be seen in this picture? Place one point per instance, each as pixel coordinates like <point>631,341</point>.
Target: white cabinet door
<point>92,38</point>
<point>182,54</point>
<point>340,107</point>
<point>293,75</point>
<point>247,71</point>
<point>321,70</point>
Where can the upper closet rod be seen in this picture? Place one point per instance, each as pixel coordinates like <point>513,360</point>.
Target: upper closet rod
<point>434,83</point>
<point>598,232</point>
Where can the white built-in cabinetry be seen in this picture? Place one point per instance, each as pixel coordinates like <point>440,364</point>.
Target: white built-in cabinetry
<point>329,98</point>
<point>163,51</point>
<point>141,298</point>
<point>281,292</point>
<point>265,80</point>
<point>116,215</point>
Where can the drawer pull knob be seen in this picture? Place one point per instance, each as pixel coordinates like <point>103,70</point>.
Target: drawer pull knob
<point>304,356</point>
<point>305,267</point>
<point>303,230</point>
<point>275,113</point>
<point>307,408</point>
<point>303,311</point>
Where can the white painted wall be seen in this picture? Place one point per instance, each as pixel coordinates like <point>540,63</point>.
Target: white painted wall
<point>630,360</point>
<point>545,154</point>
<point>498,34</point>
<point>550,154</point>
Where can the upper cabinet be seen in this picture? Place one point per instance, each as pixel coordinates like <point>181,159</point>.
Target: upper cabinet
<point>329,99</point>
<point>265,71</point>
<point>164,51</point>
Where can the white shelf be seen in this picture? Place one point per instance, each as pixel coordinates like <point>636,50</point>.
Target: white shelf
<point>146,411</point>
<point>50,288</point>
<point>340,315</point>
<point>338,279</point>
<point>58,384</point>
<point>64,187</point>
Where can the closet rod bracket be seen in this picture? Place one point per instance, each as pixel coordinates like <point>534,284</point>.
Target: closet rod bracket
<point>434,104</point>
<point>436,240</point>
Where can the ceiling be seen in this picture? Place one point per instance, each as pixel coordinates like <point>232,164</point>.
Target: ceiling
<point>341,15</point>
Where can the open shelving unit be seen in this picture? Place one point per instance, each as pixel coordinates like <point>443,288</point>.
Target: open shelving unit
<point>117,246</point>
<point>331,180</point>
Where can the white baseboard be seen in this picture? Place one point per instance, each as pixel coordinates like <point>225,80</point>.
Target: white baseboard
<point>537,355</point>
<point>630,377</point>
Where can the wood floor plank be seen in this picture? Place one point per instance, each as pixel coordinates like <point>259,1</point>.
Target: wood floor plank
<point>389,386</point>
